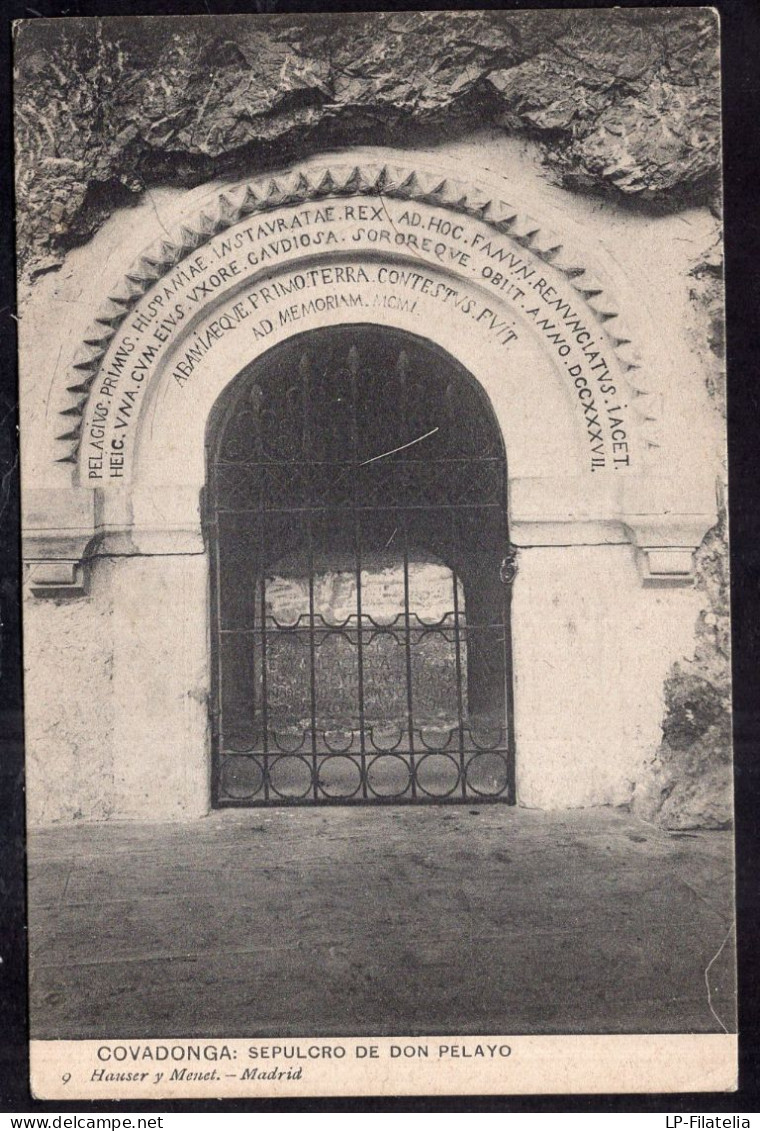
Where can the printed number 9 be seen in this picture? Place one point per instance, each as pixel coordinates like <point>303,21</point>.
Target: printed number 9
<point>66,1077</point>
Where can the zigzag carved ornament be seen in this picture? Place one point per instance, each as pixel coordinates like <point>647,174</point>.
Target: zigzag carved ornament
<point>300,187</point>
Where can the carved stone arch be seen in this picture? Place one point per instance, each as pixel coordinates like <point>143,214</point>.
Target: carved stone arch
<point>471,250</point>
<point>383,182</point>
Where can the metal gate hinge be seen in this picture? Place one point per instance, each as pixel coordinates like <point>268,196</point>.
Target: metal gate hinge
<point>508,567</point>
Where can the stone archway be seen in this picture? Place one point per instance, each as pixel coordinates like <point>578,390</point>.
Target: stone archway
<point>113,497</point>
<point>356,518</point>
<point>415,248</point>
<point>312,241</point>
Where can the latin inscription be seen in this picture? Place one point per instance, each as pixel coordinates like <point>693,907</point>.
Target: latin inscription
<point>267,301</point>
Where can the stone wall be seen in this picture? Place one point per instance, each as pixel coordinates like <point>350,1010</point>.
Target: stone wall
<point>141,681</point>
<point>433,658</point>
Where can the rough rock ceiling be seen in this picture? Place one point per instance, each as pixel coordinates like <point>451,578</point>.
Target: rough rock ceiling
<point>625,102</point>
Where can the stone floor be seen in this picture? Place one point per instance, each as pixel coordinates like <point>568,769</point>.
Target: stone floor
<point>392,920</point>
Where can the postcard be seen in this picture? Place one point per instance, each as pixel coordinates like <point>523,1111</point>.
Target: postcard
<point>376,592</point>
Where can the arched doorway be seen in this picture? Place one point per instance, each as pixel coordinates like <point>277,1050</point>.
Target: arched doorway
<point>356,516</point>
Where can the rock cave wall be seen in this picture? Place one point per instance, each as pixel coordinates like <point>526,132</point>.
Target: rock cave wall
<point>692,774</point>
<point>624,104</point>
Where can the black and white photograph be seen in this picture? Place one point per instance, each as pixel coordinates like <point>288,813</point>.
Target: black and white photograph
<point>377,663</point>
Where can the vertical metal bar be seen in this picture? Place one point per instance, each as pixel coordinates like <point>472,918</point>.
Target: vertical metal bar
<point>306,422</point>
<point>305,371</point>
<point>408,648</point>
<point>506,609</point>
<point>510,716</point>
<point>216,582</point>
<point>353,367</point>
<point>312,655</point>
<point>256,400</point>
<point>218,725</point>
<point>402,370</point>
<point>264,688</point>
<point>454,558</point>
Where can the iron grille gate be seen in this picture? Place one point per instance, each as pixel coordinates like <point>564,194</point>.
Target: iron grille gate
<point>357,518</point>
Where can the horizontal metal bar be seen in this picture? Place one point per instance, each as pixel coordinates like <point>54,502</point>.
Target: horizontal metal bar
<point>289,802</point>
<point>350,465</point>
<point>464,506</point>
<point>366,630</point>
<point>274,752</point>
